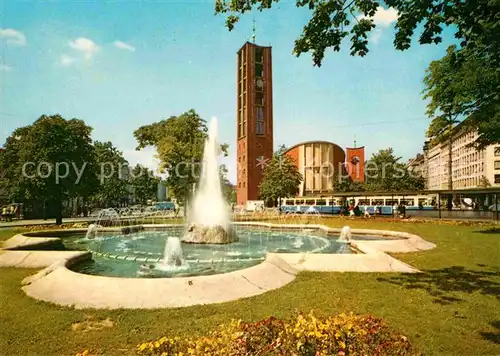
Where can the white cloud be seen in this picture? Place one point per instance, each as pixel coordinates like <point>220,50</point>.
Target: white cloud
<point>13,37</point>
<point>66,60</point>
<point>383,17</point>
<point>84,45</point>
<point>5,68</point>
<point>123,45</point>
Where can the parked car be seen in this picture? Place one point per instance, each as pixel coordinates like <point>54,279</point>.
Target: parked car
<point>165,206</point>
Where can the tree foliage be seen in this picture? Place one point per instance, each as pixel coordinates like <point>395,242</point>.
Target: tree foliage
<point>228,189</point>
<point>463,86</point>
<point>332,21</point>
<point>179,141</point>
<point>112,174</point>
<point>51,160</point>
<point>346,184</point>
<point>385,172</point>
<point>281,178</point>
<point>144,183</point>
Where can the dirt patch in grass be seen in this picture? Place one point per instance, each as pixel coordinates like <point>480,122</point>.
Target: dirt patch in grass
<point>91,324</point>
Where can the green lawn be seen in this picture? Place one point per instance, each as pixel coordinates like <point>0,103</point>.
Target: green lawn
<point>6,234</point>
<point>451,309</point>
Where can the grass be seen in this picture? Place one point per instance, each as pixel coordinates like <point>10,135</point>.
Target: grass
<point>6,234</point>
<point>450,309</point>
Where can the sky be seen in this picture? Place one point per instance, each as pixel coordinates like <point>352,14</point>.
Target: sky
<point>123,64</point>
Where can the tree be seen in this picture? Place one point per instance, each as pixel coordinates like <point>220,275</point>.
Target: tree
<point>346,184</point>
<point>179,141</point>
<point>144,183</point>
<point>51,160</point>
<point>385,172</point>
<point>228,189</point>
<point>443,87</point>
<point>112,174</point>
<point>461,86</point>
<point>334,20</point>
<point>281,178</point>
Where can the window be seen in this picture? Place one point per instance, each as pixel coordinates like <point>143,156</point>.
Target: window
<point>260,128</point>
<point>497,178</point>
<point>497,151</point>
<point>497,164</point>
<point>260,120</point>
<point>259,99</point>
<point>259,70</point>
<point>258,55</point>
<point>260,113</point>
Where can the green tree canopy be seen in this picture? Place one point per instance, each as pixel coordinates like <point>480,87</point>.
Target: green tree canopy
<point>179,141</point>
<point>144,183</point>
<point>51,160</point>
<point>476,22</point>
<point>228,190</point>
<point>461,86</point>
<point>281,178</point>
<point>112,174</point>
<point>385,172</point>
<point>346,184</point>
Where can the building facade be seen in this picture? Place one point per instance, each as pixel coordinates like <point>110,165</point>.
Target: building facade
<point>355,163</point>
<point>254,118</point>
<point>416,165</point>
<point>470,168</point>
<point>320,163</point>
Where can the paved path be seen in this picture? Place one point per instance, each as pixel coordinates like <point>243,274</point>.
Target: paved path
<point>18,223</point>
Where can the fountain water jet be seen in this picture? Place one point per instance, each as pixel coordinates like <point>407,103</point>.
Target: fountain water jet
<point>173,255</point>
<point>209,214</point>
<point>92,231</point>
<point>345,234</point>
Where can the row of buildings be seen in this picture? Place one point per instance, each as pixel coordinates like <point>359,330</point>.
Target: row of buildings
<point>470,168</point>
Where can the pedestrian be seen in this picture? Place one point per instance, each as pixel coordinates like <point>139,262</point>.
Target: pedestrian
<point>367,213</point>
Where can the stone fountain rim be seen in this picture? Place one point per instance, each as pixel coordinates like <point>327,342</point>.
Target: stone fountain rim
<point>58,284</point>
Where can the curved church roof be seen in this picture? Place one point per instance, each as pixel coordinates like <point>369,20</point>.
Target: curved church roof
<point>309,142</point>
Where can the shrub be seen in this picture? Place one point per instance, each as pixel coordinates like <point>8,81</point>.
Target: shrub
<point>302,335</point>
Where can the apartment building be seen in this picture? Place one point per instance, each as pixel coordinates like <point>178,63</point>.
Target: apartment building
<point>470,168</point>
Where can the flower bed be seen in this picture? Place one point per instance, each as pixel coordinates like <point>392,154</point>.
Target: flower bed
<point>302,335</point>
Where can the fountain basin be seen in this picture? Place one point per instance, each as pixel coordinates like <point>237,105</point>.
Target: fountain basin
<point>141,254</point>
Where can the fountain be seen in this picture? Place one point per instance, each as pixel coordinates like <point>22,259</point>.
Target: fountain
<point>208,217</point>
<point>92,231</point>
<point>173,252</point>
<point>345,234</point>
<point>108,217</point>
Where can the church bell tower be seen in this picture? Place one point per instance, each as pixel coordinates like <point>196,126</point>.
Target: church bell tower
<point>254,118</point>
